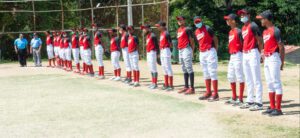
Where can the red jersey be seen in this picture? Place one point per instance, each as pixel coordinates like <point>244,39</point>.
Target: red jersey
<point>271,38</point>
<point>165,40</point>
<point>114,44</point>
<point>86,42</point>
<point>60,42</point>
<point>204,37</point>
<point>66,42</point>
<point>132,43</point>
<point>49,40</point>
<point>151,42</point>
<point>80,39</point>
<point>74,41</point>
<point>124,40</point>
<point>183,34</point>
<point>235,41</point>
<point>249,31</point>
<point>97,38</point>
<point>55,41</point>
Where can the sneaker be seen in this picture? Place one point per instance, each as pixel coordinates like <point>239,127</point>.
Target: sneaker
<point>256,107</point>
<point>91,74</point>
<point>128,81</point>
<point>117,79</point>
<point>213,98</point>
<point>154,86</point>
<point>170,88</point>
<point>205,96</point>
<point>268,111</point>
<point>164,87</point>
<point>125,80</point>
<point>101,77</point>
<point>151,85</point>
<point>276,112</point>
<point>231,101</point>
<point>183,90</point>
<point>190,91</point>
<point>136,84</point>
<point>246,105</point>
<point>238,102</point>
<point>131,83</point>
<point>112,78</point>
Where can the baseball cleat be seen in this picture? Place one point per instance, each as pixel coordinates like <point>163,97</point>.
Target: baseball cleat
<point>275,112</point>
<point>170,88</point>
<point>136,84</point>
<point>154,86</point>
<point>112,78</point>
<point>231,101</point>
<point>256,107</point>
<point>268,111</point>
<point>190,91</point>
<point>238,102</point>
<point>164,87</point>
<point>205,96</point>
<point>213,98</point>
<point>117,79</point>
<point>128,81</point>
<point>183,90</point>
<point>246,105</point>
<point>101,77</point>
<point>125,80</point>
<point>149,86</point>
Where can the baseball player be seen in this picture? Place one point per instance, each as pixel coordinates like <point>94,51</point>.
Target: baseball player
<point>56,42</point>
<point>62,55</point>
<point>67,52</point>
<point>115,54</point>
<point>80,40</point>
<point>152,49</point>
<point>186,47</point>
<point>87,54</point>
<point>273,54</point>
<point>133,43</point>
<point>49,43</point>
<point>75,50</point>
<point>235,66</point>
<point>252,45</point>
<point>99,50</point>
<point>125,54</point>
<point>208,45</point>
<point>165,43</point>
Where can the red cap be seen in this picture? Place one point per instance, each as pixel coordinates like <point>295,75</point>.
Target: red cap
<point>197,20</point>
<point>242,11</point>
<point>130,27</point>
<point>180,18</point>
<point>145,26</point>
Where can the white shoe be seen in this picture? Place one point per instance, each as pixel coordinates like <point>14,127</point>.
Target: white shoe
<point>112,78</point>
<point>136,84</point>
<point>117,79</point>
<point>101,77</point>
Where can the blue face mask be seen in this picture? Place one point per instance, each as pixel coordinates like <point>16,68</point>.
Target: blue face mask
<point>199,25</point>
<point>244,19</point>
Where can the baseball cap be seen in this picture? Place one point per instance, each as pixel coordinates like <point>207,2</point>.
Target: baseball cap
<point>266,15</point>
<point>112,30</point>
<point>123,26</point>
<point>95,25</point>
<point>242,11</point>
<point>145,26</point>
<point>130,27</point>
<point>160,23</point>
<point>197,19</point>
<point>231,16</point>
<point>180,18</point>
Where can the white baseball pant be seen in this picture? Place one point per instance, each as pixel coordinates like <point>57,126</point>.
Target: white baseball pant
<point>209,64</point>
<point>68,54</point>
<point>251,69</point>
<point>235,68</point>
<point>186,59</point>
<point>272,73</point>
<point>134,60</point>
<point>87,56</point>
<point>50,51</point>
<point>152,60</point>
<point>75,52</point>
<point>126,58</point>
<point>115,56</point>
<point>81,53</point>
<point>165,57</point>
<point>99,54</point>
<point>62,53</point>
<point>56,51</point>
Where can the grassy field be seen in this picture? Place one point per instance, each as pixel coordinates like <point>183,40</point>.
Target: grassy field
<point>45,102</point>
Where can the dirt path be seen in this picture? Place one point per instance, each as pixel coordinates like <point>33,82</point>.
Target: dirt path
<point>215,116</point>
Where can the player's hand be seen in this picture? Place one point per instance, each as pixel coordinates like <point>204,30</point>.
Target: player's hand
<point>281,67</point>
<point>262,58</point>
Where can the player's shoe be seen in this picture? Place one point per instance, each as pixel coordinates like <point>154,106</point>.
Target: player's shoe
<point>246,105</point>
<point>205,96</point>
<point>112,78</point>
<point>170,88</point>
<point>131,83</point>
<point>136,84</point>
<point>275,112</point>
<point>101,77</point>
<point>154,86</point>
<point>256,107</point>
<point>117,79</point>
<point>238,102</point>
<point>268,111</point>
<point>231,101</point>
<point>183,90</point>
<point>213,98</point>
<point>164,87</point>
<point>91,74</point>
<point>190,91</point>
<point>125,80</point>
<point>151,85</point>
<point>128,81</point>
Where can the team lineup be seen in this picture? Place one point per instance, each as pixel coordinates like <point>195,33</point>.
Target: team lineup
<point>248,48</point>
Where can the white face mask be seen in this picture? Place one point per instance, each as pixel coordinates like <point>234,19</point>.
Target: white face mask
<point>244,19</point>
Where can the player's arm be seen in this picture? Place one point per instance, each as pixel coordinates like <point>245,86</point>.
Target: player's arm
<point>15,46</point>
<point>136,40</point>
<point>155,41</point>
<point>191,38</point>
<point>40,45</point>
<point>168,36</point>
<point>280,46</point>
<point>215,38</point>
<point>258,36</point>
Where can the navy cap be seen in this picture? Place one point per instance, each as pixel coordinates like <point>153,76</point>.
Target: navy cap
<point>123,26</point>
<point>160,23</point>
<point>266,15</point>
<point>231,16</point>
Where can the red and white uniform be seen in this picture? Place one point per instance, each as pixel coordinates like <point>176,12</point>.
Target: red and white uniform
<point>151,49</point>
<point>49,43</point>
<point>134,56</point>
<point>75,48</point>
<point>87,50</point>
<point>272,64</point>
<point>67,48</point>
<point>165,57</point>
<point>56,46</point>
<point>115,55</point>
<point>185,50</point>
<point>98,48</point>
<point>251,63</point>
<point>80,41</point>
<point>61,48</point>
<point>125,54</point>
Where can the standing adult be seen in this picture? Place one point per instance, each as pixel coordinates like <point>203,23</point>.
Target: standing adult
<point>35,50</point>
<point>20,45</point>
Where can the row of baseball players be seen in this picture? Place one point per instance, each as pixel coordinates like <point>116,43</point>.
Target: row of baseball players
<point>247,48</point>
